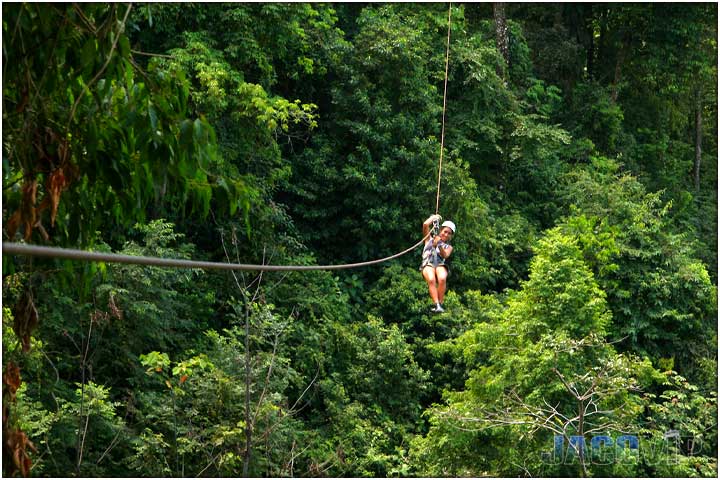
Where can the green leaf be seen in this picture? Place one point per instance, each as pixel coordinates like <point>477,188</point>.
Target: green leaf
<point>124,46</point>
<point>153,118</point>
<point>88,55</point>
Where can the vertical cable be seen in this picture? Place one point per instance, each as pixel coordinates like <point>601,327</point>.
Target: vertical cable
<point>442,133</point>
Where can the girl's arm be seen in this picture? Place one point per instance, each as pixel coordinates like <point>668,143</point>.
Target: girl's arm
<point>427,223</point>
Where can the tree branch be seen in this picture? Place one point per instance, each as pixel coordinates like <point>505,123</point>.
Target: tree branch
<point>159,55</point>
<point>101,71</point>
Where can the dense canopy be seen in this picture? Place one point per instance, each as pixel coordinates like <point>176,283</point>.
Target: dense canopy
<point>580,166</point>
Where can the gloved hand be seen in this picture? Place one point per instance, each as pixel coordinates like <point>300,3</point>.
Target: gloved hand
<point>432,218</point>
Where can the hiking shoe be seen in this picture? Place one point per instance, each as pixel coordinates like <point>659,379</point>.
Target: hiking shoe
<point>438,309</point>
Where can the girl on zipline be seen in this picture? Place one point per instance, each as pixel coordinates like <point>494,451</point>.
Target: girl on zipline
<point>437,250</point>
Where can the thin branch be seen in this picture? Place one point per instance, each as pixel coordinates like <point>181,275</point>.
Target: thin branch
<point>147,54</point>
<point>57,377</point>
<point>84,19</point>
<point>595,381</point>
<point>259,278</point>
<point>617,341</point>
<point>141,71</point>
<point>82,444</point>
<point>569,387</point>
<point>587,405</point>
<point>227,257</point>
<point>604,427</point>
<point>101,71</point>
<point>57,374</point>
<point>527,472</point>
<point>306,389</point>
<point>494,419</point>
<point>274,285</point>
<point>570,422</point>
<point>600,412</point>
<point>554,409</point>
<point>267,376</point>
<point>81,440</point>
<point>501,422</point>
<point>112,445</point>
<point>212,462</point>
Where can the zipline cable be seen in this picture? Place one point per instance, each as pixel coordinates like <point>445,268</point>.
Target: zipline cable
<point>442,132</point>
<point>73,254</point>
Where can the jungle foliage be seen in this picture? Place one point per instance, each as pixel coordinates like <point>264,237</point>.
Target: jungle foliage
<point>580,167</point>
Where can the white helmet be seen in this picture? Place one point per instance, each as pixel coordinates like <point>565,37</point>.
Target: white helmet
<point>449,224</point>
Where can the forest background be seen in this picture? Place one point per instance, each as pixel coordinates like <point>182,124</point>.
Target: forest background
<point>580,167</point>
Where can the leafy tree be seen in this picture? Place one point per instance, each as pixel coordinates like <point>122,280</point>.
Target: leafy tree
<point>538,367</point>
<point>202,426</point>
<point>86,130</point>
<point>376,146</point>
<point>579,165</point>
<point>660,295</point>
<point>367,424</point>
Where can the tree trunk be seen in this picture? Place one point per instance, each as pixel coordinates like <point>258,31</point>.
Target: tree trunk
<point>501,33</point>
<point>698,137</point>
<point>589,37</point>
<point>618,70</point>
<point>248,372</point>
<point>601,48</point>
<point>581,433</point>
<point>578,19</point>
